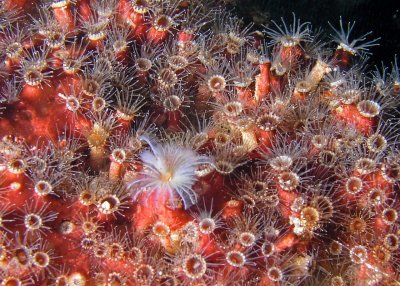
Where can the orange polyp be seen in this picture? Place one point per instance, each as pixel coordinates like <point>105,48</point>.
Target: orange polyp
<point>380,227</point>
<point>287,241</point>
<point>327,94</point>
<point>245,95</point>
<point>289,55</point>
<point>124,10</point>
<point>11,64</point>
<point>185,36</point>
<point>12,4</point>
<point>137,20</point>
<point>65,17</point>
<point>56,61</point>
<point>31,93</point>
<point>84,9</point>
<point>140,30</point>
<point>301,96</point>
<point>115,171</point>
<point>263,83</point>
<point>231,209</point>
<point>286,199</point>
<point>349,113</point>
<point>156,37</point>
<point>276,82</point>
<point>376,180</point>
<point>122,56</point>
<point>265,138</point>
<point>124,124</point>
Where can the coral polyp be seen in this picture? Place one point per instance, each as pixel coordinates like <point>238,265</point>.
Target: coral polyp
<point>169,170</point>
<point>167,143</point>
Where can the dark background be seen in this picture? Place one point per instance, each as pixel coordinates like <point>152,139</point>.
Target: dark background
<point>380,16</point>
